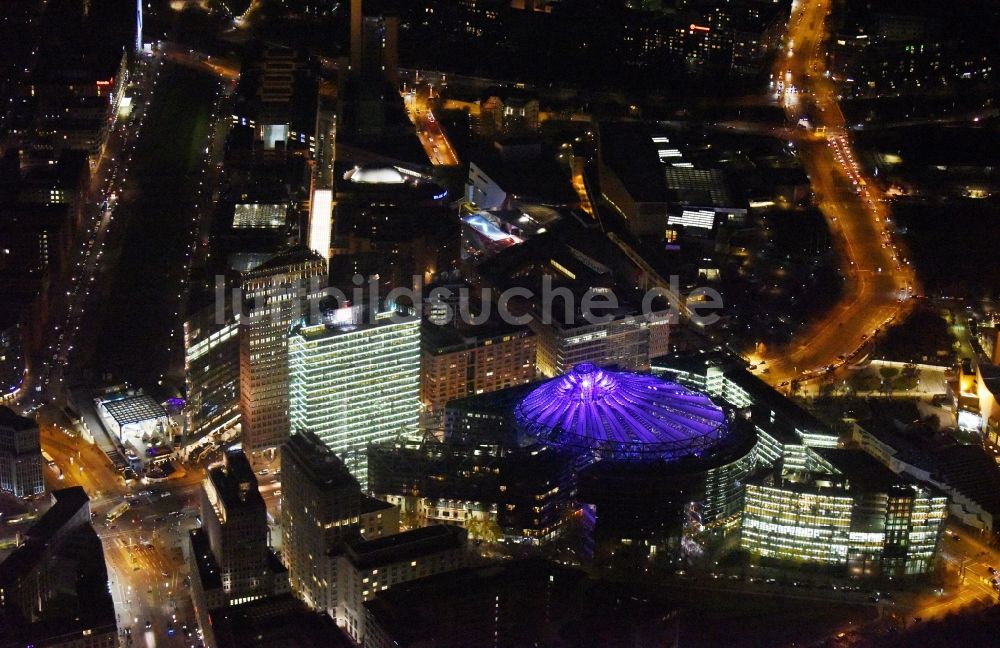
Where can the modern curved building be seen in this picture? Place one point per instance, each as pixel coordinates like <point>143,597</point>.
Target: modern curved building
<point>657,457</point>
<point>622,416</point>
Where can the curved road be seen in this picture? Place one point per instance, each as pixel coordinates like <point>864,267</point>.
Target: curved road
<point>878,278</point>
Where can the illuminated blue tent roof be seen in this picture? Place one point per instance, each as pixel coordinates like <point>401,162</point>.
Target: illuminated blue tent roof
<point>621,415</point>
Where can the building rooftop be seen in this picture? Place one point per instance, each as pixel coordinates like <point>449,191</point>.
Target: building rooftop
<point>83,606</point>
<point>510,94</point>
<point>290,256</point>
<point>529,179</point>
<point>532,602</point>
<point>276,622</point>
<point>438,340</point>
<point>235,482</point>
<point>342,321</point>
<point>320,464</point>
<point>970,471</point>
<point>134,409</point>
<point>68,502</point>
<point>862,471</point>
<point>701,187</point>
<point>627,415</point>
<point>409,545</point>
<point>375,174</point>
<point>208,568</point>
<point>627,149</point>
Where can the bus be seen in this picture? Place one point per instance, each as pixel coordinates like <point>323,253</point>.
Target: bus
<point>117,512</point>
<point>48,459</point>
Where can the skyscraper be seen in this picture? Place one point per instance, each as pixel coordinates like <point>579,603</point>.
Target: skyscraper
<point>211,370</point>
<point>275,295</point>
<point>234,519</point>
<point>374,43</point>
<point>354,379</point>
<point>322,508</point>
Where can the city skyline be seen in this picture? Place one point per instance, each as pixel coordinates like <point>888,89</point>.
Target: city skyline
<point>498,322</point>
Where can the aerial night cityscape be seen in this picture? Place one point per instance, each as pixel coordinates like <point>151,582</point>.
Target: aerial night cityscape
<point>499,323</point>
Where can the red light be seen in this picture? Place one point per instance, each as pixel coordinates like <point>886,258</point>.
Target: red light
<point>695,27</point>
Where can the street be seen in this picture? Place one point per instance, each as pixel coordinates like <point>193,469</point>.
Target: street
<point>439,150</point>
<point>878,279</point>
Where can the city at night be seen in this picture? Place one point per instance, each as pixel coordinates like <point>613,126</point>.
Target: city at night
<point>499,323</point>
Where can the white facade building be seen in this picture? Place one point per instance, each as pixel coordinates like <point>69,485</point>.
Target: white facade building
<point>354,382</point>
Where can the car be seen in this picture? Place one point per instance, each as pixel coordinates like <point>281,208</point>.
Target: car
<point>992,571</point>
<point>149,624</point>
<point>264,472</point>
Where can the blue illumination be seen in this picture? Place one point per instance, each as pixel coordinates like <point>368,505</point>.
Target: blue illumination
<point>621,415</point>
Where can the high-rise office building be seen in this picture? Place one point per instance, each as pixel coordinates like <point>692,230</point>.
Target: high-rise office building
<point>275,294</point>
<point>12,361</point>
<point>322,508</point>
<point>325,153</point>
<point>374,43</point>
<point>211,370</point>
<point>20,455</point>
<point>234,522</point>
<point>354,379</point>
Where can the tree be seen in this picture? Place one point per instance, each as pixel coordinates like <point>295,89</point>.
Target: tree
<point>863,381</point>
<point>483,529</point>
<point>888,373</point>
<point>905,382</point>
<point>410,519</point>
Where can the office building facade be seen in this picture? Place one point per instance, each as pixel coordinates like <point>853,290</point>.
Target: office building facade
<point>322,508</point>
<point>627,342</point>
<point>846,510</point>
<point>20,455</point>
<point>455,363</point>
<point>234,520</point>
<point>354,379</point>
<point>373,566</point>
<point>211,371</point>
<point>276,294</point>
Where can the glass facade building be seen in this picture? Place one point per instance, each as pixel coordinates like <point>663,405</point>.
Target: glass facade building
<point>211,371</point>
<point>851,512</point>
<point>352,383</point>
